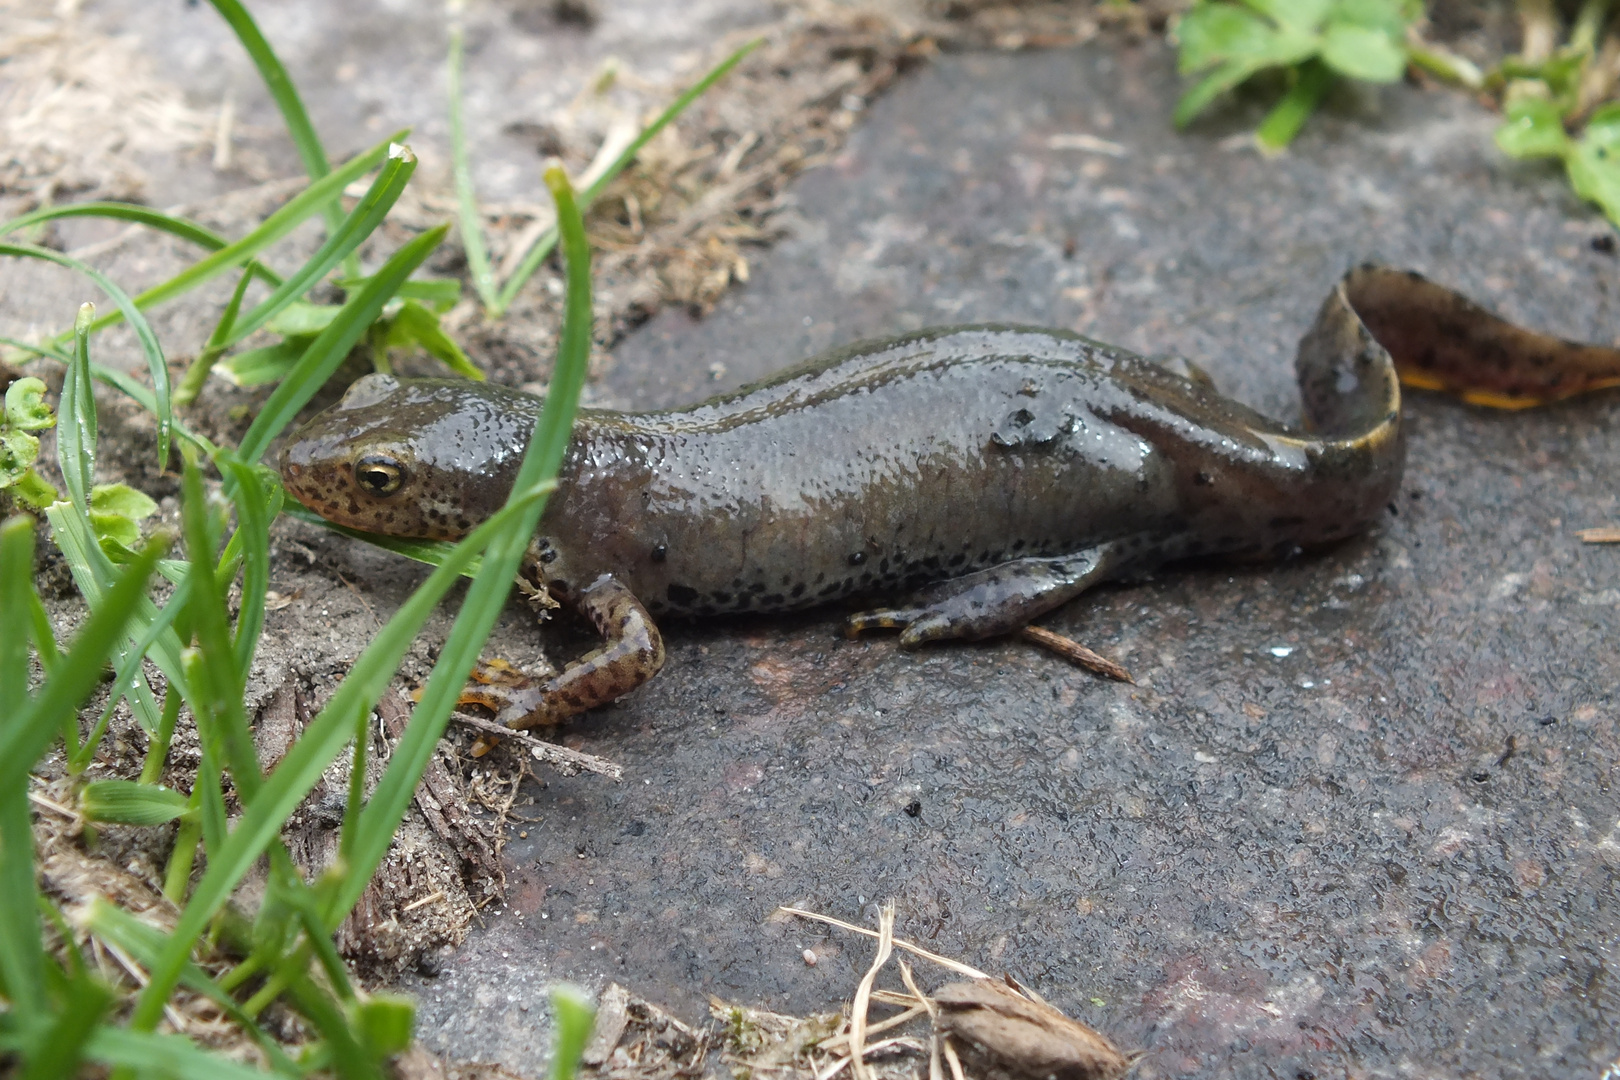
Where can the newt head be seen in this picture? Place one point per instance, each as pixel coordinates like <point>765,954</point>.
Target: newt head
<point>427,458</point>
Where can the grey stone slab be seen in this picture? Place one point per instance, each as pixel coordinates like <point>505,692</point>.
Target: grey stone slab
<point>1358,818</point>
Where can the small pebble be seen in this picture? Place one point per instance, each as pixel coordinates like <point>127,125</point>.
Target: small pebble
<point>809,958</point>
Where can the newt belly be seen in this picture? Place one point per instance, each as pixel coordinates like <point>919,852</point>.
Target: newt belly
<point>986,473</point>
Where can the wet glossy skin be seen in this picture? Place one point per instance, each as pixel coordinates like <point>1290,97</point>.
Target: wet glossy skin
<point>1006,469</point>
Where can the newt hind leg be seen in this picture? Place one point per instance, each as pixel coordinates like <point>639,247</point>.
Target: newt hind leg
<point>632,653</point>
<point>995,601</point>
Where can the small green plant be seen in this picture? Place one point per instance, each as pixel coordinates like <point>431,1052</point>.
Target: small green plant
<point>1548,112</point>
<point>1313,42</point>
<point>25,413</point>
<point>60,1013</point>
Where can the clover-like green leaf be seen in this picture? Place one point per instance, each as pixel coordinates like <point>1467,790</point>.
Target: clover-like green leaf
<point>1362,52</point>
<point>123,500</point>
<point>1593,163</point>
<point>1534,128</point>
<point>1304,16</point>
<point>33,491</point>
<point>1392,17</point>
<point>18,452</point>
<point>1211,34</point>
<point>115,510</point>
<point>25,406</point>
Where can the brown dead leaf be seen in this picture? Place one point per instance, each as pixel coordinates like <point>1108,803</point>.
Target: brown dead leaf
<point>1028,1038</point>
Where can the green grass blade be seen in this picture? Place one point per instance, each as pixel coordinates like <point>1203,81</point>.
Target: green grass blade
<point>548,240</point>
<point>349,1059</point>
<point>432,552</point>
<point>184,228</point>
<point>16,585</point>
<point>574,1015</point>
<point>417,324</point>
<point>143,942</point>
<point>192,383</point>
<point>129,677</point>
<point>24,738</point>
<point>375,827</point>
<point>286,98</point>
<point>118,381</point>
<point>256,508</point>
<point>22,958</point>
<point>58,1051</point>
<point>312,200</point>
<point>172,1057</point>
<point>77,425</point>
<point>211,625</point>
<point>157,750</point>
<point>92,573</point>
<point>286,787</point>
<point>328,350</point>
<point>472,230</point>
<point>155,364</point>
<point>349,233</point>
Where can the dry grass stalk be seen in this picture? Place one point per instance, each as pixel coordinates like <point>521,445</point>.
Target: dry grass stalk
<point>899,943</point>
<point>1072,650</point>
<point>863,994</point>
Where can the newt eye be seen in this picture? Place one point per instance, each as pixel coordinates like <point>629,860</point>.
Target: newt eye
<point>378,474</point>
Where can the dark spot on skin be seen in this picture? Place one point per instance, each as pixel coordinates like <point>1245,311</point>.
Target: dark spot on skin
<point>798,590</point>
<point>820,578</point>
<point>856,558</point>
<point>559,586</point>
<point>776,599</point>
<point>956,560</point>
<point>660,553</point>
<point>548,556</point>
<point>1393,509</point>
<point>757,587</point>
<point>1603,244</point>
<point>830,590</point>
<point>682,595</point>
<point>722,597</point>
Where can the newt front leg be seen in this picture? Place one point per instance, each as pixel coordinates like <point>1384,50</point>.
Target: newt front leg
<point>632,653</point>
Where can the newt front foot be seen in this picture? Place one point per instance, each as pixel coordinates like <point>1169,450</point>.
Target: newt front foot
<point>633,653</point>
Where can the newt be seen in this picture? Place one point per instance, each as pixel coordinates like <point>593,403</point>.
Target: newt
<point>986,474</point>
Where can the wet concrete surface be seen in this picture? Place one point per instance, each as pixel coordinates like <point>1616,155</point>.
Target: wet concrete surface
<point>1357,818</point>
